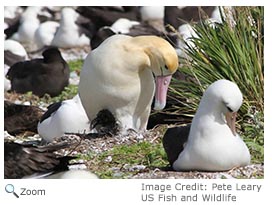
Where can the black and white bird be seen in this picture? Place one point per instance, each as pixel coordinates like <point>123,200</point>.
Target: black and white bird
<point>14,52</point>
<point>49,74</point>
<point>106,15</point>
<point>213,144</point>
<point>11,20</point>
<point>29,22</point>
<point>68,116</point>
<point>124,26</point>
<point>176,16</point>
<point>69,34</point>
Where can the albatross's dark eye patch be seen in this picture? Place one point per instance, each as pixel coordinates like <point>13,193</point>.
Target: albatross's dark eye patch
<point>229,109</point>
<point>166,67</point>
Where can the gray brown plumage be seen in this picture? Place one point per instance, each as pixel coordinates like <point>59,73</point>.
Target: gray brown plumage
<point>48,75</point>
<point>21,118</point>
<point>25,160</point>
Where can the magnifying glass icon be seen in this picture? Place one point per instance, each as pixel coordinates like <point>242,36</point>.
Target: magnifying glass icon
<point>10,189</point>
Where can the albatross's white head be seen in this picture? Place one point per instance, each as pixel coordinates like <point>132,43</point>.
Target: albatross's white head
<point>224,97</point>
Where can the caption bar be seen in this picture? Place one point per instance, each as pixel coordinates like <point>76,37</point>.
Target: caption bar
<point>196,192</point>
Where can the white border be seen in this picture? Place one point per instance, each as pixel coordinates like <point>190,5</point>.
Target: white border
<point>128,191</point>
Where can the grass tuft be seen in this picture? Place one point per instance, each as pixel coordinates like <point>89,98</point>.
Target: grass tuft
<point>120,161</point>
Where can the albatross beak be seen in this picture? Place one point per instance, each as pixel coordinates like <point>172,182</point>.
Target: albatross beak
<point>162,84</point>
<point>231,118</point>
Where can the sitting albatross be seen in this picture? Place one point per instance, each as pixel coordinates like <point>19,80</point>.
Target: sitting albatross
<point>118,76</point>
<point>49,74</point>
<point>213,144</point>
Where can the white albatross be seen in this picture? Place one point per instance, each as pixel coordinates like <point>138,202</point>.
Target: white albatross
<point>118,76</point>
<point>213,144</point>
<point>29,22</point>
<point>45,33</point>
<point>68,34</point>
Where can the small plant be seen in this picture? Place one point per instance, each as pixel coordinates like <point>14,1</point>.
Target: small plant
<point>68,93</point>
<point>76,65</point>
<point>126,160</point>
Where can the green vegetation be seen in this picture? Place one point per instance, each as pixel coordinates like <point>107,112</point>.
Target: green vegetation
<point>228,52</point>
<point>76,65</point>
<point>68,93</point>
<point>120,162</point>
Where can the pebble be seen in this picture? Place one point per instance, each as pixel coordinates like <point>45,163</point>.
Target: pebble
<point>108,159</point>
<point>74,78</point>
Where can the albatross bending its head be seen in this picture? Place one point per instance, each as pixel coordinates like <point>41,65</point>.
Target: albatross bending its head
<point>223,97</point>
<point>118,76</point>
<point>163,62</point>
<point>213,144</point>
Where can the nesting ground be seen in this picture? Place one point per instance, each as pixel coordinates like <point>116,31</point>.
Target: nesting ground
<point>135,155</point>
